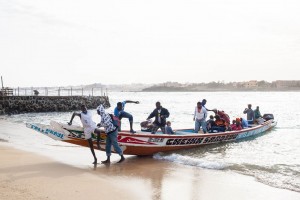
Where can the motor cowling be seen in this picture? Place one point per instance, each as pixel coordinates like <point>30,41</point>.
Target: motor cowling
<point>268,116</point>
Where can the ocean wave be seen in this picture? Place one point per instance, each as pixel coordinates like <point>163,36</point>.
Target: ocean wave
<point>289,127</point>
<point>186,160</point>
<point>279,175</point>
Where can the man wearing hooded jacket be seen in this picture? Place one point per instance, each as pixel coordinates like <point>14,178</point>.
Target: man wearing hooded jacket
<point>112,134</point>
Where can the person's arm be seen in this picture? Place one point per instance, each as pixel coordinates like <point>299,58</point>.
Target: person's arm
<point>129,101</point>
<point>205,114</point>
<point>151,115</point>
<point>172,130</point>
<point>166,114</point>
<point>74,114</point>
<point>207,108</point>
<point>252,115</point>
<point>101,123</point>
<point>116,112</point>
<point>245,111</point>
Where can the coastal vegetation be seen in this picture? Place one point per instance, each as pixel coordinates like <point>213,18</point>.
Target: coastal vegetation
<point>222,86</point>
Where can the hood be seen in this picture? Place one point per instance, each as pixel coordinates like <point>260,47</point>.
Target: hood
<point>101,109</point>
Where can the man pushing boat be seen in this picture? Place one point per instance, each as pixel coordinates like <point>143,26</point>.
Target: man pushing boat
<point>89,127</point>
<point>112,134</point>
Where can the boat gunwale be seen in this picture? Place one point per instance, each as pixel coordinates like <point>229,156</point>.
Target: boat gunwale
<point>192,135</point>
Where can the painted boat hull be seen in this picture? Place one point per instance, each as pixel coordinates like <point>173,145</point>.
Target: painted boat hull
<point>144,143</point>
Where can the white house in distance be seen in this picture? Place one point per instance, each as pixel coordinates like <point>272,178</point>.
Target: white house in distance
<point>251,84</point>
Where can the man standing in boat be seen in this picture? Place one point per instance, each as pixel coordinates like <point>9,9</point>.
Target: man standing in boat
<point>250,114</point>
<point>160,114</point>
<point>89,127</point>
<point>257,115</point>
<point>120,113</point>
<point>200,115</point>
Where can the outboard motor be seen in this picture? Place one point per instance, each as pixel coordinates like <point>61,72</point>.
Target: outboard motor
<point>268,116</point>
<point>146,126</point>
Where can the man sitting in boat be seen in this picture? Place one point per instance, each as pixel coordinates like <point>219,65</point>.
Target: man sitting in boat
<point>200,115</point>
<point>220,125</point>
<point>210,123</point>
<point>244,123</point>
<point>222,115</point>
<point>160,115</point>
<point>236,125</point>
<point>89,127</point>
<point>120,113</point>
<point>169,129</point>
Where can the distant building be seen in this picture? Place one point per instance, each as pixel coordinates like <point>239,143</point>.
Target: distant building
<point>251,84</point>
<point>172,84</point>
<point>287,84</point>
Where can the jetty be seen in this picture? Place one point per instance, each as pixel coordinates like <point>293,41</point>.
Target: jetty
<point>28,100</point>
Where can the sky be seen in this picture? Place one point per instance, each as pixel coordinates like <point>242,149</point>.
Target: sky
<point>74,42</point>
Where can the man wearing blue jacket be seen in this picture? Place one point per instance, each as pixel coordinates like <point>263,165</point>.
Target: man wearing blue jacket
<point>120,113</point>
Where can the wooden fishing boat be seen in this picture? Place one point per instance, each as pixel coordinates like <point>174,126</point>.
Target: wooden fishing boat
<point>145,143</point>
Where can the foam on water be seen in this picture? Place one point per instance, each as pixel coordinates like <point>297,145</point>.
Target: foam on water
<point>186,160</point>
<point>280,176</point>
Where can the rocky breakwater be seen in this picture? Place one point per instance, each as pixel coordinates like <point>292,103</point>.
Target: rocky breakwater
<point>27,104</point>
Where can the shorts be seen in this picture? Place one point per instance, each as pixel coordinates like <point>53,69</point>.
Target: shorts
<point>88,132</point>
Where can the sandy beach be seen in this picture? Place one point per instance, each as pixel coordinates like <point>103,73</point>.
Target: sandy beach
<point>29,176</point>
<point>25,175</point>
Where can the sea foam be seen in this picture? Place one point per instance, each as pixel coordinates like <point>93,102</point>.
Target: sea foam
<point>186,160</point>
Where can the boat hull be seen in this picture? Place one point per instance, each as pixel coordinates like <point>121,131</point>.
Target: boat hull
<point>148,144</point>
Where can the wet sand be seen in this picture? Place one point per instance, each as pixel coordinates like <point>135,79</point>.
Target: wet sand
<point>25,175</point>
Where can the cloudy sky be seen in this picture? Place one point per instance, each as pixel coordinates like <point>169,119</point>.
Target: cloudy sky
<point>72,42</point>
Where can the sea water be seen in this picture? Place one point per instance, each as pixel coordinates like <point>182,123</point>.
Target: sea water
<point>272,158</point>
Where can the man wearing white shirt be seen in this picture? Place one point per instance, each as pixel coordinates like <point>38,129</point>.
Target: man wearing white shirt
<point>89,127</point>
<point>200,118</point>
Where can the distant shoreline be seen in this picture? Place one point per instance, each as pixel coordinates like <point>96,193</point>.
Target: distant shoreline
<point>102,89</point>
<point>221,86</point>
<point>216,90</point>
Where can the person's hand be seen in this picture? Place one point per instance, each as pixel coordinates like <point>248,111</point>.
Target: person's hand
<point>69,123</point>
<point>162,116</point>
